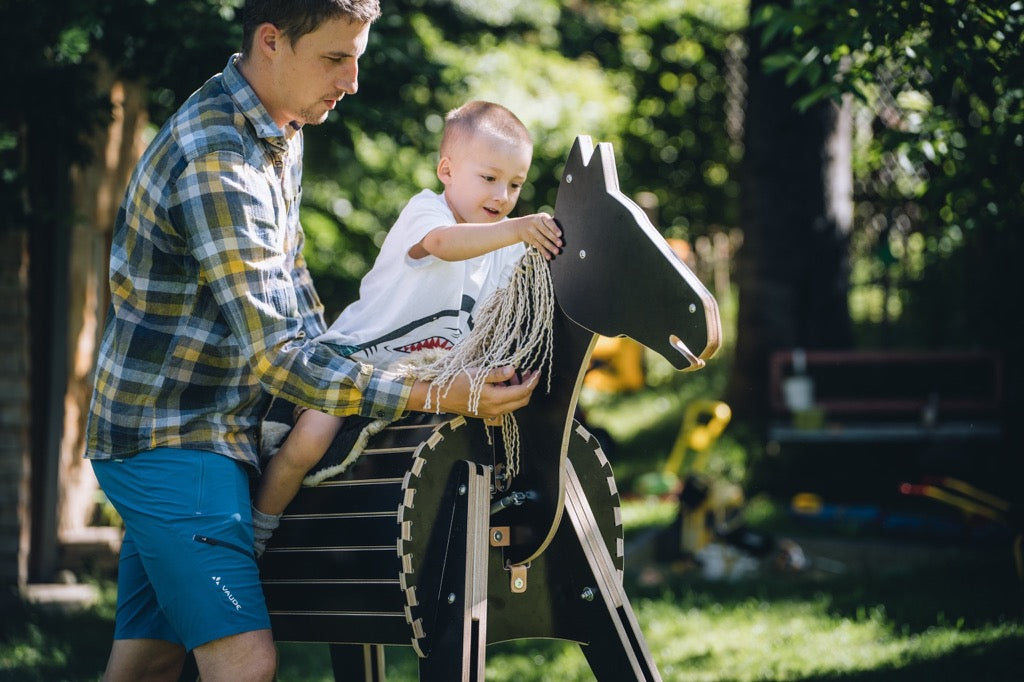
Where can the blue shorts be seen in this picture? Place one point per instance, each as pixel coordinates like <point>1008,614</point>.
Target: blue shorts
<point>187,573</point>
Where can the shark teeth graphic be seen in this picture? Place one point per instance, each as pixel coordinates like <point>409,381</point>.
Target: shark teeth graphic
<point>427,344</point>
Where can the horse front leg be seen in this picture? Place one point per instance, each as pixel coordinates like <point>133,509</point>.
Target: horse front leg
<point>615,647</point>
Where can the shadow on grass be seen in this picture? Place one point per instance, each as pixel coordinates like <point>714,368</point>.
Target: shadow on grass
<point>1001,661</point>
<point>975,590</point>
<point>42,645</point>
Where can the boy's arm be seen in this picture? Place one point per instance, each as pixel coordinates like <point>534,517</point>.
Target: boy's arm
<point>469,240</point>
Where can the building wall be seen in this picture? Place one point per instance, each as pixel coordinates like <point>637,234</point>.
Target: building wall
<point>15,467</point>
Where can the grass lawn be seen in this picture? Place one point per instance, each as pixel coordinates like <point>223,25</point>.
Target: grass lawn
<point>914,611</point>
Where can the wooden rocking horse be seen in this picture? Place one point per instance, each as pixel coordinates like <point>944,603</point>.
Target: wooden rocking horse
<point>423,542</point>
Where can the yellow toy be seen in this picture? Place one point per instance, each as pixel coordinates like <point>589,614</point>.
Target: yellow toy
<point>617,365</point>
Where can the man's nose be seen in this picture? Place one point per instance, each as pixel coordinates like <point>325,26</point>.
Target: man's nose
<point>348,82</point>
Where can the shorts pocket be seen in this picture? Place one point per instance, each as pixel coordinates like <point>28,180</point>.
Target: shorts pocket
<point>207,540</point>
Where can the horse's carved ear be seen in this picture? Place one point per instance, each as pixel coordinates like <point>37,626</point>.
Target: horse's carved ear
<point>594,165</point>
<point>582,150</point>
<point>579,157</point>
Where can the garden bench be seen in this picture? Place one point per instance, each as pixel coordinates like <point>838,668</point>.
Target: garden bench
<point>867,396</point>
<point>853,425</point>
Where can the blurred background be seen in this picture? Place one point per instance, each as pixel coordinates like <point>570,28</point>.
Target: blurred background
<point>846,178</point>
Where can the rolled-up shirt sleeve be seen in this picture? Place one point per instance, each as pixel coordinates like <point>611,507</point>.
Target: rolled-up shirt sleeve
<point>253,266</point>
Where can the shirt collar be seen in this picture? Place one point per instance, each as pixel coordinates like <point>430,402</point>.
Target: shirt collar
<point>250,105</point>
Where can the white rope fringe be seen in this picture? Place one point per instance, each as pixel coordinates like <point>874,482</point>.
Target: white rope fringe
<point>514,327</point>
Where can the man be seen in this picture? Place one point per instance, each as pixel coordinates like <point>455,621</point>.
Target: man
<point>213,311</point>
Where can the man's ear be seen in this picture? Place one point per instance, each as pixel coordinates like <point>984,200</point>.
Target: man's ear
<point>268,39</point>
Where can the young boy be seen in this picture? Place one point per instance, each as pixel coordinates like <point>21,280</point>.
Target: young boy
<point>443,257</point>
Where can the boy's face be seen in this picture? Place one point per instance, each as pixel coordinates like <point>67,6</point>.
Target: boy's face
<point>311,75</point>
<point>483,176</point>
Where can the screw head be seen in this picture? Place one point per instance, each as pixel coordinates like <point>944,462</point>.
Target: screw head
<point>518,582</point>
<point>568,178</point>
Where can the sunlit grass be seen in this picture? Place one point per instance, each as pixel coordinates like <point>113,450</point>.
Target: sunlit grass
<point>935,622</point>
<point>791,640</point>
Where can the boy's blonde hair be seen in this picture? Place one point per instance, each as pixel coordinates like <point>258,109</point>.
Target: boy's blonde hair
<point>477,117</point>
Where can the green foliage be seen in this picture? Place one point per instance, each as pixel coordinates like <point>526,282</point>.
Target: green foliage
<point>651,78</point>
<point>55,62</point>
<point>939,165</point>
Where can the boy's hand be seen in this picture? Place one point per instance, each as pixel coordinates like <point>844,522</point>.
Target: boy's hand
<point>542,232</point>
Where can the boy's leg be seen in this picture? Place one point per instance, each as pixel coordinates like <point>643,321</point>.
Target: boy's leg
<point>282,477</point>
<point>305,445</point>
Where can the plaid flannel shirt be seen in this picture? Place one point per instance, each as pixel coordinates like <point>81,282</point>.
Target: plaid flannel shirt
<point>212,308</point>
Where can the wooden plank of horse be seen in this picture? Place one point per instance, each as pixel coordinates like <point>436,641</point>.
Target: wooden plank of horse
<point>423,542</point>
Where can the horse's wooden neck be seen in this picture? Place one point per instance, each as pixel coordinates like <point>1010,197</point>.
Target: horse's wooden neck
<point>544,429</point>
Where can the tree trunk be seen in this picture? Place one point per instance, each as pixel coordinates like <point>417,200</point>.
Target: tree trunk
<point>796,214</point>
<point>97,192</point>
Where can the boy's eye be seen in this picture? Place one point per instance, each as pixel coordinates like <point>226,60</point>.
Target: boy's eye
<point>488,178</point>
<point>516,186</point>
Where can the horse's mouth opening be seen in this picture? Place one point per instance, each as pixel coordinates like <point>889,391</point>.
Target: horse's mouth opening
<point>695,362</point>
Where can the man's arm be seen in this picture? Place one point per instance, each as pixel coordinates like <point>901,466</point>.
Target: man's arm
<point>469,240</point>
<point>229,211</point>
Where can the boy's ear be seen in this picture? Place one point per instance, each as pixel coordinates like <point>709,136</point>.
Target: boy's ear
<point>444,170</point>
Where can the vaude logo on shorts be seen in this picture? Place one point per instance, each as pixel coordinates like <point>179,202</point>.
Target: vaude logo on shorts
<point>227,592</point>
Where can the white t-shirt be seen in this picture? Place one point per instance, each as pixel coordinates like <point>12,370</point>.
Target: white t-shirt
<point>407,305</point>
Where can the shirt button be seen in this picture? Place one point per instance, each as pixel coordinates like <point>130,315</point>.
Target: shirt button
<point>380,414</point>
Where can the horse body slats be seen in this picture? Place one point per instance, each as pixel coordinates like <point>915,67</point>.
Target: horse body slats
<point>347,497</point>
<point>344,530</point>
<point>337,562</point>
<point>341,627</point>
<point>379,464</point>
<point>336,596</point>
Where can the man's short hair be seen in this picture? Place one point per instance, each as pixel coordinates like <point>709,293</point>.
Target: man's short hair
<point>296,18</point>
<point>479,116</point>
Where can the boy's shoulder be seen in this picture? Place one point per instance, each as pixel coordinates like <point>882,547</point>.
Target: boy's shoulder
<point>425,205</point>
<point>427,198</point>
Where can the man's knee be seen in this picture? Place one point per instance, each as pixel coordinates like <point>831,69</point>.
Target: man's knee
<point>132,660</point>
<point>246,656</point>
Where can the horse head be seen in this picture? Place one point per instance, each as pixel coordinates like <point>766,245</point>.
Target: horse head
<point>617,276</point>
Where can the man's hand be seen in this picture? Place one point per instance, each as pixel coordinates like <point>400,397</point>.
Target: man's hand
<point>503,392</point>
